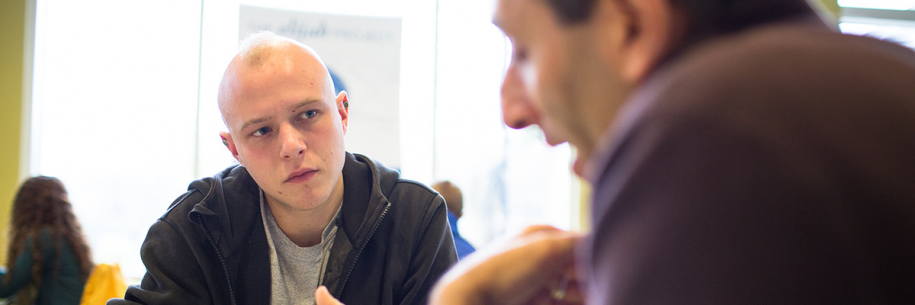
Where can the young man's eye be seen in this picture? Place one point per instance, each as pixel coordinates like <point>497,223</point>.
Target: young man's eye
<point>309,114</point>
<point>261,131</point>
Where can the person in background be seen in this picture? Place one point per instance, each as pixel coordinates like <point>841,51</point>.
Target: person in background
<point>740,152</point>
<point>298,212</point>
<point>455,202</point>
<point>48,256</point>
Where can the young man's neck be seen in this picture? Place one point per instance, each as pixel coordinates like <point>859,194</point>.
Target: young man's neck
<point>306,227</point>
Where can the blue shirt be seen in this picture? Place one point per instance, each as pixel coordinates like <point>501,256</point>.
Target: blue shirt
<point>463,247</point>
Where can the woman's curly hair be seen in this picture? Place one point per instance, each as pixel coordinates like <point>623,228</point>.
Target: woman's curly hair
<point>42,204</point>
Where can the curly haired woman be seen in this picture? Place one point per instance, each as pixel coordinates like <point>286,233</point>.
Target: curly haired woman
<point>47,250</point>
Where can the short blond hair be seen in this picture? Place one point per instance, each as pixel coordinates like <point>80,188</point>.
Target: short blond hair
<point>256,48</point>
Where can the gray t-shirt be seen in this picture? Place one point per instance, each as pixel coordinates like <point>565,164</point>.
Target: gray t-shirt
<point>295,271</point>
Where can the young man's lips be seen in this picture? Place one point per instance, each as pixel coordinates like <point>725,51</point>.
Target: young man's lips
<point>302,176</point>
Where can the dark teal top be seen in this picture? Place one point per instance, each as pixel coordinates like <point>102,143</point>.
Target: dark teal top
<point>64,287</point>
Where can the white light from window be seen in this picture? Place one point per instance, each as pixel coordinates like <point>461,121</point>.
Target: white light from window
<point>904,35</point>
<point>880,4</point>
<point>114,113</point>
<point>510,178</point>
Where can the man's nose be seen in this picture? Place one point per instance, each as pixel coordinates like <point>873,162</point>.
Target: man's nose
<point>292,143</point>
<point>517,110</point>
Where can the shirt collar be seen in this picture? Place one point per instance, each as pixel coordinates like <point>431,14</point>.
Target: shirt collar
<point>328,229</point>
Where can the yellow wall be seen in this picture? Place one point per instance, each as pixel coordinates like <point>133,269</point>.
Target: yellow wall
<point>832,6</point>
<point>12,32</point>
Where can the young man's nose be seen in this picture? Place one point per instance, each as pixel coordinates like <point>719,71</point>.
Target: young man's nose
<point>292,142</point>
<point>517,110</point>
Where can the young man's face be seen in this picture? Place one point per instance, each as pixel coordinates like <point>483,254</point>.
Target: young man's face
<point>286,127</point>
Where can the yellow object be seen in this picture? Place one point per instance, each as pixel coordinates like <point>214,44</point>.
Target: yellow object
<point>105,282</point>
<point>12,46</point>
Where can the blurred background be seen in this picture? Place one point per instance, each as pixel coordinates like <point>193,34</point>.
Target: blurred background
<point>117,98</point>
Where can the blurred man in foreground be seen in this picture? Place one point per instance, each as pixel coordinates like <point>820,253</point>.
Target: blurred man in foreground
<point>741,152</point>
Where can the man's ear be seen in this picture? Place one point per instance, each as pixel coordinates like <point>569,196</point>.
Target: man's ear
<point>343,109</point>
<point>230,144</point>
<point>650,30</point>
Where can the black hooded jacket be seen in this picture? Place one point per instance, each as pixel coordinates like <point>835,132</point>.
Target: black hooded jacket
<point>210,247</point>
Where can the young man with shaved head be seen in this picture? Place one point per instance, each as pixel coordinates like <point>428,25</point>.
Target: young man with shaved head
<point>298,212</point>
<point>741,152</point>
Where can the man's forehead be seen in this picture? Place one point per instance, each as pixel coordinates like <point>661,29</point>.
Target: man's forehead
<point>282,77</point>
<point>251,90</point>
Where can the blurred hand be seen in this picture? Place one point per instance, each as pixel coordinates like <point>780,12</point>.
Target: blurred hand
<point>323,297</point>
<point>536,267</point>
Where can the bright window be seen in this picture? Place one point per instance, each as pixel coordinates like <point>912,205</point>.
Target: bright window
<point>115,113</point>
<point>880,4</point>
<point>891,20</point>
<point>510,178</point>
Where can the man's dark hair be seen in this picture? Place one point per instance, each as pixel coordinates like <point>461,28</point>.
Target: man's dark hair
<point>572,11</point>
<point>707,17</point>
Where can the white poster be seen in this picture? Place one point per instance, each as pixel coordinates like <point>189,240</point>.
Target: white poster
<point>363,56</point>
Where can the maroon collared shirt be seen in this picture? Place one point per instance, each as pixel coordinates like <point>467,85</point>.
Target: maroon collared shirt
<point>771,166</point>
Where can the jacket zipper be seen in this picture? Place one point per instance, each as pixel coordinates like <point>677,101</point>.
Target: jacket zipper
<point>219,255</point>
<point>364,243</point>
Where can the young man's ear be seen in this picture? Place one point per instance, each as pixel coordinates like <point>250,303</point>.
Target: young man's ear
<point>230,144</point>
<point>649,30</point>
<point>343,109</point>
